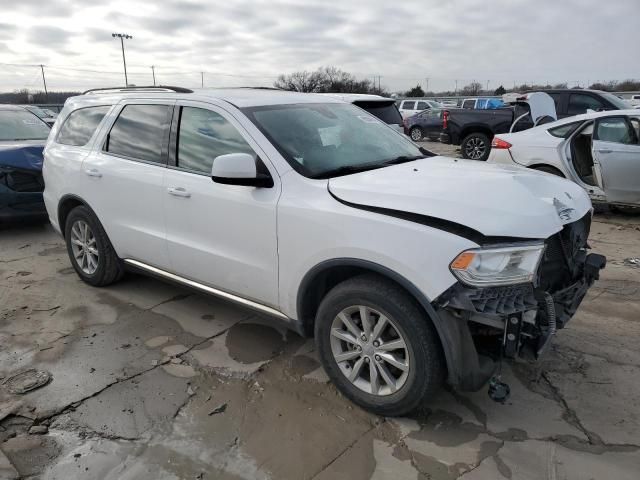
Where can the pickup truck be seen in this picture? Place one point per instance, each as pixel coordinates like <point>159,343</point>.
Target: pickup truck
<point>474,130</point>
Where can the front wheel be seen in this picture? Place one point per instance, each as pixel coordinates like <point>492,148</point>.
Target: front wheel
<point>416,134</point>
<point>378,346</point>
<point>476,146</point>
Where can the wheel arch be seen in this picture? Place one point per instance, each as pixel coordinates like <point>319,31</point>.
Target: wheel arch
<point>476,129</point>
<point>65,205</point>
<point>324,276</point>
<point>540,166</point>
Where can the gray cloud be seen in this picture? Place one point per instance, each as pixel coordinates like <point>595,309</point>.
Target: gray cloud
<point>501,40</point>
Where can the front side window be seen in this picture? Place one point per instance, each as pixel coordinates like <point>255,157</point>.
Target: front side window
<point>422,105</point>
<point>325,140</point>
<point>469,104</point>
<point>139,132</point>
<point>80,125</point>
<point>580,103</point>
<point>616,130</point>
<point>408,105</point>
<point>16,125</point>
<point>204,135</point>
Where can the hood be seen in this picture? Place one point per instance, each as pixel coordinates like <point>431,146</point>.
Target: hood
<point>495,200</point>
<point>24,155</point>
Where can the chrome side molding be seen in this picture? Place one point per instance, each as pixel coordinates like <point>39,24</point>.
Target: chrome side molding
<point>204,288</point>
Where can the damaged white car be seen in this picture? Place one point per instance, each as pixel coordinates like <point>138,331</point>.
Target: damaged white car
<point>410,269</point>
<point>600,151</point>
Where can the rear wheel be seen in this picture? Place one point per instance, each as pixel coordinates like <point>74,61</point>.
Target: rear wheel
<point>378,346</point>
<point>476,146</point>
<point>90,250</point>
<point>416,134</point>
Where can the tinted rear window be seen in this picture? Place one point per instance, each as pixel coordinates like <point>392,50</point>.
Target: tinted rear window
<point>80,125</point>
<point>387,112</point>
<point>139,132</point>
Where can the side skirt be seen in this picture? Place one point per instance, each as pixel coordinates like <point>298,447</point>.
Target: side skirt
<point>290,323</point>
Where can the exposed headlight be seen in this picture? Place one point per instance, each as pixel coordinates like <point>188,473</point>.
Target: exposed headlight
<point>497,266</point>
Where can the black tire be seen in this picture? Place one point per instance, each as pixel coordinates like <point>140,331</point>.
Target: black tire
<point>426,364</point>
<point>476,146</point>
<point>416,134</point>
<point>548,169</point>
<point>625,209</point>
<point>109,267</point>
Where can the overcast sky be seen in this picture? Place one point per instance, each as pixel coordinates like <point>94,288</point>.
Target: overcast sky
<point>249,43</point>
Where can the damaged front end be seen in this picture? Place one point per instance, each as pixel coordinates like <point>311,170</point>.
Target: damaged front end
<point>492,322</point>
<point>21,183</point>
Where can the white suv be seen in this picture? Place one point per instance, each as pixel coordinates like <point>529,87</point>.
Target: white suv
<point>408,268</point>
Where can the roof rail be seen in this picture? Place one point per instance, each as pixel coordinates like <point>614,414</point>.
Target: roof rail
<point>149,88</point>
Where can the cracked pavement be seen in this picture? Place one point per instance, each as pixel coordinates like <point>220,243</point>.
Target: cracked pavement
<point>151,381</point>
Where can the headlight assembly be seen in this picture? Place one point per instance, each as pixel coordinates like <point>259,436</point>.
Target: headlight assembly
<point>481,267</point>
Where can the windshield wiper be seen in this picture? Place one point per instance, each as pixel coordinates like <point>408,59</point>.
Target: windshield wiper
<point>403,159</point>
<point>347,169</point>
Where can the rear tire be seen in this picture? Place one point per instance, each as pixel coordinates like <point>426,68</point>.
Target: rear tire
<point>383,384</point>
<point>90,251</point>
<point>476,146</point>
<point>416,134</point>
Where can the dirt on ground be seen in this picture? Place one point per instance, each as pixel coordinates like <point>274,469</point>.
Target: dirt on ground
<point>150,381</point>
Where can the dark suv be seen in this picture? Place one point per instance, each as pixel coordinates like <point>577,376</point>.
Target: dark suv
<point>571,102</point>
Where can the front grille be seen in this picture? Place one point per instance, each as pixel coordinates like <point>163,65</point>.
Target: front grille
<point>23,181</point>
<point>491,300</point>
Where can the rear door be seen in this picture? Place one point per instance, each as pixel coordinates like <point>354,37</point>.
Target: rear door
<point>123,180</point>
<point>616,147</point>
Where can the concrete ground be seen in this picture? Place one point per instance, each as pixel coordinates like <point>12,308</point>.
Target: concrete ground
<point>150,381</point>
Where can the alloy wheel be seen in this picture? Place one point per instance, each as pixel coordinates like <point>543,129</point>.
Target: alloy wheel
<point>416,135</point>
<point>84,247</point>
<point>370,350</point>
<point>475,148</point>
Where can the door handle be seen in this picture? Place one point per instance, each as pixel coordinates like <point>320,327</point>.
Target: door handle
<point>92,172</point>
<point>178,192</point>
<point>604,150</point>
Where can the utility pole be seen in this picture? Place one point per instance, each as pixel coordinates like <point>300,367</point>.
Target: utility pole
<point>46,94</point>
<point>456,92</point>
<point>427,84</point>
<point>488,85</point>
<point>202,79</point>
<point>153,72</point>
<point>122,36</point>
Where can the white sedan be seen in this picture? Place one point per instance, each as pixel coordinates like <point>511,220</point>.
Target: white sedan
<point>599,151</point>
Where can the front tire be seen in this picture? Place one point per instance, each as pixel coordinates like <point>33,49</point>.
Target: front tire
<point>90,251</point>
<point>378,346</point>
<point>476,146</point>
<point>416,134</point>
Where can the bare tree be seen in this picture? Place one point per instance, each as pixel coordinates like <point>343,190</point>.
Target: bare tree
<point>300,81</point>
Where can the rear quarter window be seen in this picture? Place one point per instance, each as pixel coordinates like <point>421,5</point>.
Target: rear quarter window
<point>80,125</point>
<point>563,131</point>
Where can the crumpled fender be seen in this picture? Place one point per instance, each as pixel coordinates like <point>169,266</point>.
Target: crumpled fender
<point>22,157</point>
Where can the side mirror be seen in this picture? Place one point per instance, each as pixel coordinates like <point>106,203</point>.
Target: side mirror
<point>239,169</point>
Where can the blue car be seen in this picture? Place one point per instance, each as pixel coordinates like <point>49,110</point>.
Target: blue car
<point>22,138</point>
<point>426,124</point>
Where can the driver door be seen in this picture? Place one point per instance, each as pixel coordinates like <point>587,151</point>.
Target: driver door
<point>616,148</point>
<point>223,236</point>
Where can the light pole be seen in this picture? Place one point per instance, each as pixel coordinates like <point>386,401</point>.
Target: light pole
<point>122,36</point>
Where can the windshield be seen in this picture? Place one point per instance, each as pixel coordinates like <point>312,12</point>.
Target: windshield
<point>21,125</point>
<point>619,103</point>
<point>327,140</point>
<point>37,111</point>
